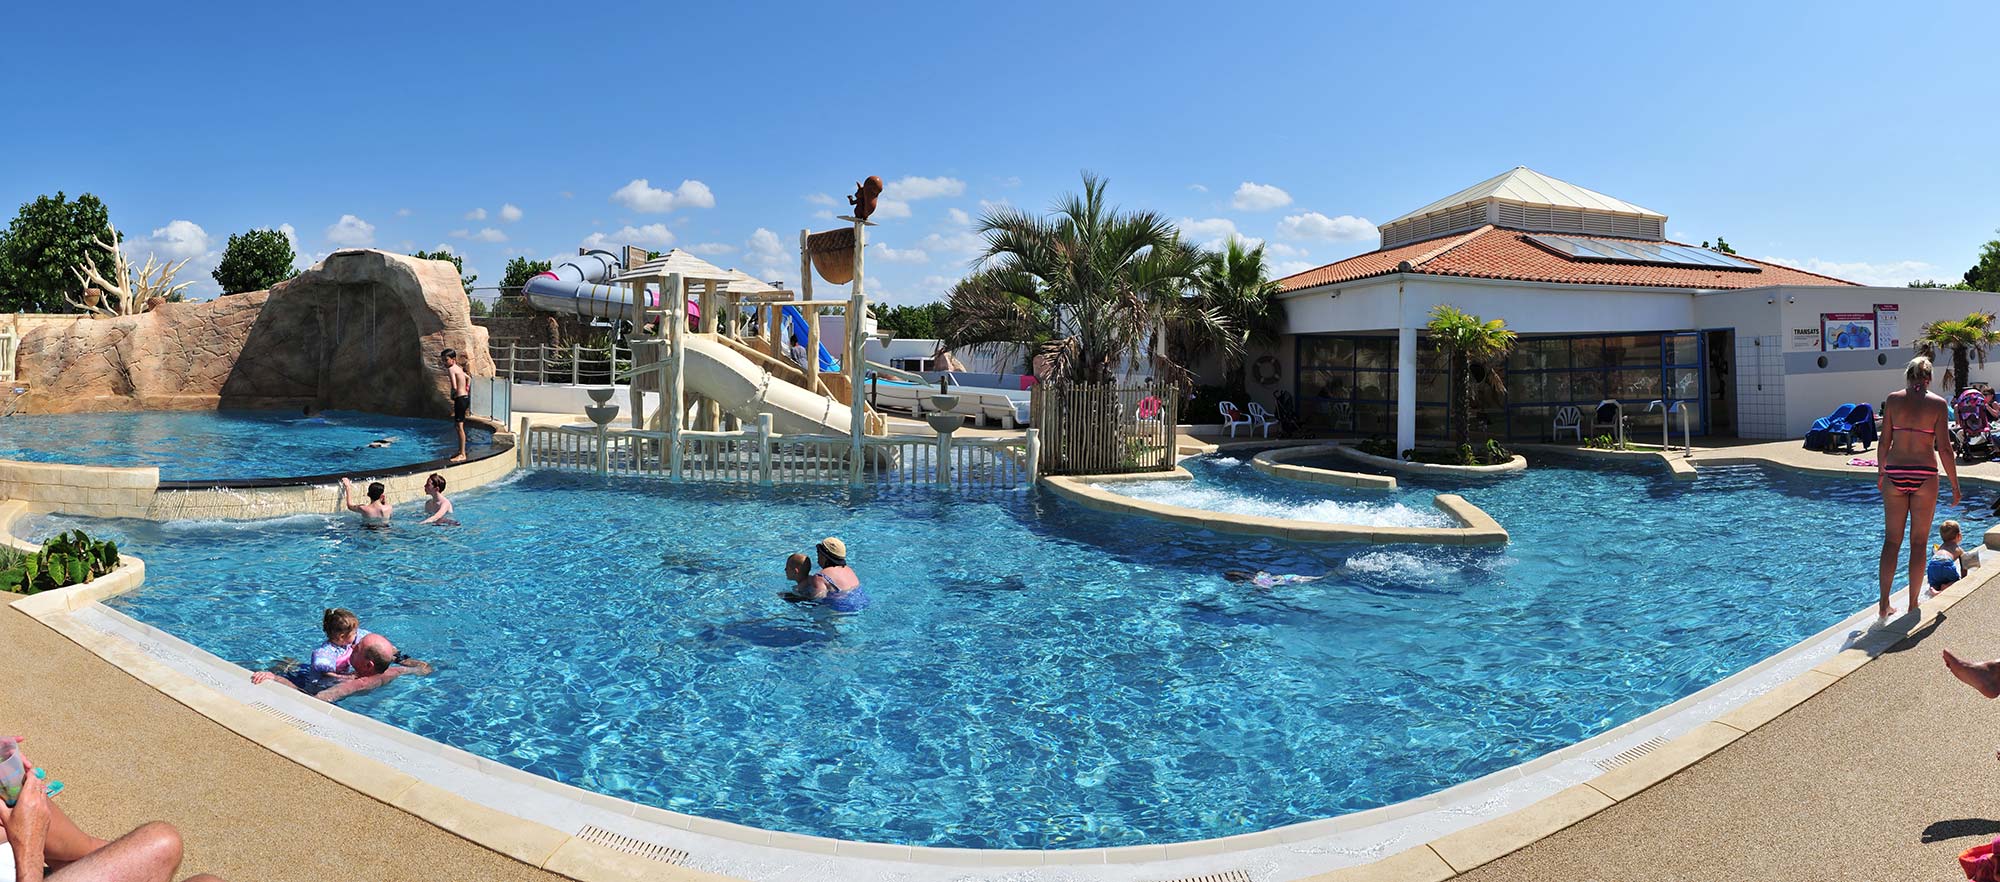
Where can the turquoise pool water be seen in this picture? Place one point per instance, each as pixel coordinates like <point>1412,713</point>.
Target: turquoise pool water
<point>232,444</point>
<point>1031,674</point>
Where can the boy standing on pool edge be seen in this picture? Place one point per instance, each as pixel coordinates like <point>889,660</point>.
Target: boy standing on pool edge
<point>461,396</point>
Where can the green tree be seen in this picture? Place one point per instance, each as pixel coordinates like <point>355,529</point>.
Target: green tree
<point>1236,285</point>
<point>455,260</point>
<point>1085,286</point>
<point>1985,275</point>
<point>1721,245</point>
<point>254,261</point>
<point>1933,283</point>
<point>919,322</point>
<point>519,271</point>
<point>1967,338</point>
<point>48,238</point>
<point>1473,346</point>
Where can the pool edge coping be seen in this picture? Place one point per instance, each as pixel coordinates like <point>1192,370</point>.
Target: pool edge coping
<point>1439,858</point>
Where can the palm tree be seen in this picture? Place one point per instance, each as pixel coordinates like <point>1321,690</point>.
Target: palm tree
<point>1236,285</point>
<point>1471,344</point>
<point>1085,286</point>
<point>1967,338</point>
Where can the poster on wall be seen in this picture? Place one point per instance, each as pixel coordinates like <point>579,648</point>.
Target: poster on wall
<point>1888,330</point>
<point>1847,330</point>
<point>1812,339</point>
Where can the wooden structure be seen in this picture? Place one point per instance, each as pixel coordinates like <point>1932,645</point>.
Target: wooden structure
<point>1103,428</point>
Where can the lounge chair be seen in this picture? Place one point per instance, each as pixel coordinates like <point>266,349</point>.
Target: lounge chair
<point>1260,416</point>
<point>1820,436</point>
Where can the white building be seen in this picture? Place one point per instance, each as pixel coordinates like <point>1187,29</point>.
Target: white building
<point>1606,308</point>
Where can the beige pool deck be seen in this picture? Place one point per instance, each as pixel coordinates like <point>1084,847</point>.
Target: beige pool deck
<point>1869,766</point>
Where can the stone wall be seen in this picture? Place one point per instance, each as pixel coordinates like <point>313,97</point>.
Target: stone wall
<point>361,330</point>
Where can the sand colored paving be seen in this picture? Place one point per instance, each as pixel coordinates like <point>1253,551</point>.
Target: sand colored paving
<point>130,754</point>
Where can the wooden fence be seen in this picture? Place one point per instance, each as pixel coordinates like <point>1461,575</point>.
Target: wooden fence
<point>1103,428</point>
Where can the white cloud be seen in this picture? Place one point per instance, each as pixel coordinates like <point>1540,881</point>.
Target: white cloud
<point>962,245</point>
<point>402,212</point>
<point>476,214</point>
<point>901,255</point>
<point>1285,268</point>
<point>959,217</point>
<point>765,247</point>
<point>351,231</point>
<point>1011,181</point>
<point>1259,197</point>
<point>1313,225</point>
<point>441,246</point>
<point>653,236</point>
<point>510,213</point>
<point>485,234</point>
<point>710,249</point>
<point>886,207</point>
<point>992,205</point>
<point>820,199</point>
<point>827,214</point>
<point>1198,188</point>
<point>640,195</point>
<point>179,239</point>
<point>1891,274</point>
<point>1211,232</point>
<point>567,194</point>
<point>1280,249</point>
<point>911,188</point>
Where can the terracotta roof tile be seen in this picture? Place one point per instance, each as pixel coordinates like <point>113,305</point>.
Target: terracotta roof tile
<point>1494,253</point>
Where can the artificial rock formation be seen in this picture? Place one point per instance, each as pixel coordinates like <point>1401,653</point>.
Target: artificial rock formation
<point>361,330</point>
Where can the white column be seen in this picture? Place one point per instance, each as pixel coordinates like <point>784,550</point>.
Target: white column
<point>1406,389</point>
<point>857,310</point>
<point>670,396</point>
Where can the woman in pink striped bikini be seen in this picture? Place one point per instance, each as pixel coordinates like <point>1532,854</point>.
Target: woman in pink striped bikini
<point>1915,438</point>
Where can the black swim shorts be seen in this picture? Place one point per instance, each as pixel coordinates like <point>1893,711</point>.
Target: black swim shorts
<point>460,406</point>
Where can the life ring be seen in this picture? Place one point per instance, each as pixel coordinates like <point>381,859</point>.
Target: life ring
<point>1265,370</point>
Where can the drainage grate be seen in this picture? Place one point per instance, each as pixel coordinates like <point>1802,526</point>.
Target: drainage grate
<point>287,717</point>
<point>1641,749</point>
<point>1224,876</point>
<point>596,835</point>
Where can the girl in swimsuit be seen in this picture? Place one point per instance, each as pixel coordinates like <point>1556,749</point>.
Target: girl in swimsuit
<point>1914,439</point>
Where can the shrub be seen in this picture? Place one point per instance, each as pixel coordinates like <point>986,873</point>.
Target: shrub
<point>254,261</point>
<point>1381,447</point>
<point>71,558</point>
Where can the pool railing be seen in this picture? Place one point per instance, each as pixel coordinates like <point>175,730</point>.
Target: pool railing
<point>756,455</point>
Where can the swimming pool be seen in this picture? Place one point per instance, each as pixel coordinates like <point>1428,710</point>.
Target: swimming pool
<point>1228,484</point>
<point>229,445</point>
<point>1032,674</point>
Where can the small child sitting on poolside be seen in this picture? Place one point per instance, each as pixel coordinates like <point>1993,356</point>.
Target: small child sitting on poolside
<point>1949,562</point>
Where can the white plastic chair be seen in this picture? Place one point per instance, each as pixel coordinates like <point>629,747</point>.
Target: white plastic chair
<point>1568,419</point>
<point>1232,417</point>
<point>1259,417</point>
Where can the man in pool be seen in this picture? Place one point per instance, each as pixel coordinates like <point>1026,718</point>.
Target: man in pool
<point>437,508</point>
<point>376,511</point>
<point>835,585</point>
<point>352,660</point>
<point>461,396</point>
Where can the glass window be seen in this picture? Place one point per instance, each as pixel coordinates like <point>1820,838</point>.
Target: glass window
<point>1530,422</point>
<point>1326,352</point>
<point>1643,384</point>
<point>1632,350</point>
<point>1523,388</point>
<point>1587,352</point>
<point>1540,355</point>
<point>1684,349</point>
<point>1433,385</point>
<point>1433,420</point>
<point>1586,386</point>
<point>1323,383</point>
<point>1377,353</point>
<point>1686,384</point>
<point>1374,386</point>
<point>1373,419</point>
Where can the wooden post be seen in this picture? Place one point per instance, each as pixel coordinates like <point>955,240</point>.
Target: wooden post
<point>513,350</point>
<point>857,312</point>
<point>521,445</point>
<point>575,364</point>
<point>811,313</point>
<point>670,396</point>
<point>1034,455</point>
<point>541,362</point>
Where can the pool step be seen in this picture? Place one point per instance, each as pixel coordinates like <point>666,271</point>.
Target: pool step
<point>596,835</point>
<point>1627,757</point>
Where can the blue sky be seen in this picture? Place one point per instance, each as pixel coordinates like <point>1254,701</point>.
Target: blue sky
<point>1856,139</point>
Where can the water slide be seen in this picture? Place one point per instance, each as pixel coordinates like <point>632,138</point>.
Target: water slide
<point>795,325</point>
<point>582,286</point>
<point>715,370</point>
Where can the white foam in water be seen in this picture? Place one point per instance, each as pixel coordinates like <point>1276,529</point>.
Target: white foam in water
<point>1401,565</point>
<point>1328,511</point>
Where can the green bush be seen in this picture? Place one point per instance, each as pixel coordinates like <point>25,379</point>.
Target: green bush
<point>1602,442</point>
<point>71,558</point>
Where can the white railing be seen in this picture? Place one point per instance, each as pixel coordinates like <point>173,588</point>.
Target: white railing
<point>7,343</point>
<point>759,456</point>
<point>574,364</point>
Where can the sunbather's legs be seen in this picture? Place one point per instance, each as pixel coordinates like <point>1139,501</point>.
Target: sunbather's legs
<point>66,841</point>
<point>1983,677</point>
<point>149,854</point>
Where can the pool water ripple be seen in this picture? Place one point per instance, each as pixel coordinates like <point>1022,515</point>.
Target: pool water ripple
<point>233,444</point>
<point>1032,674</point>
